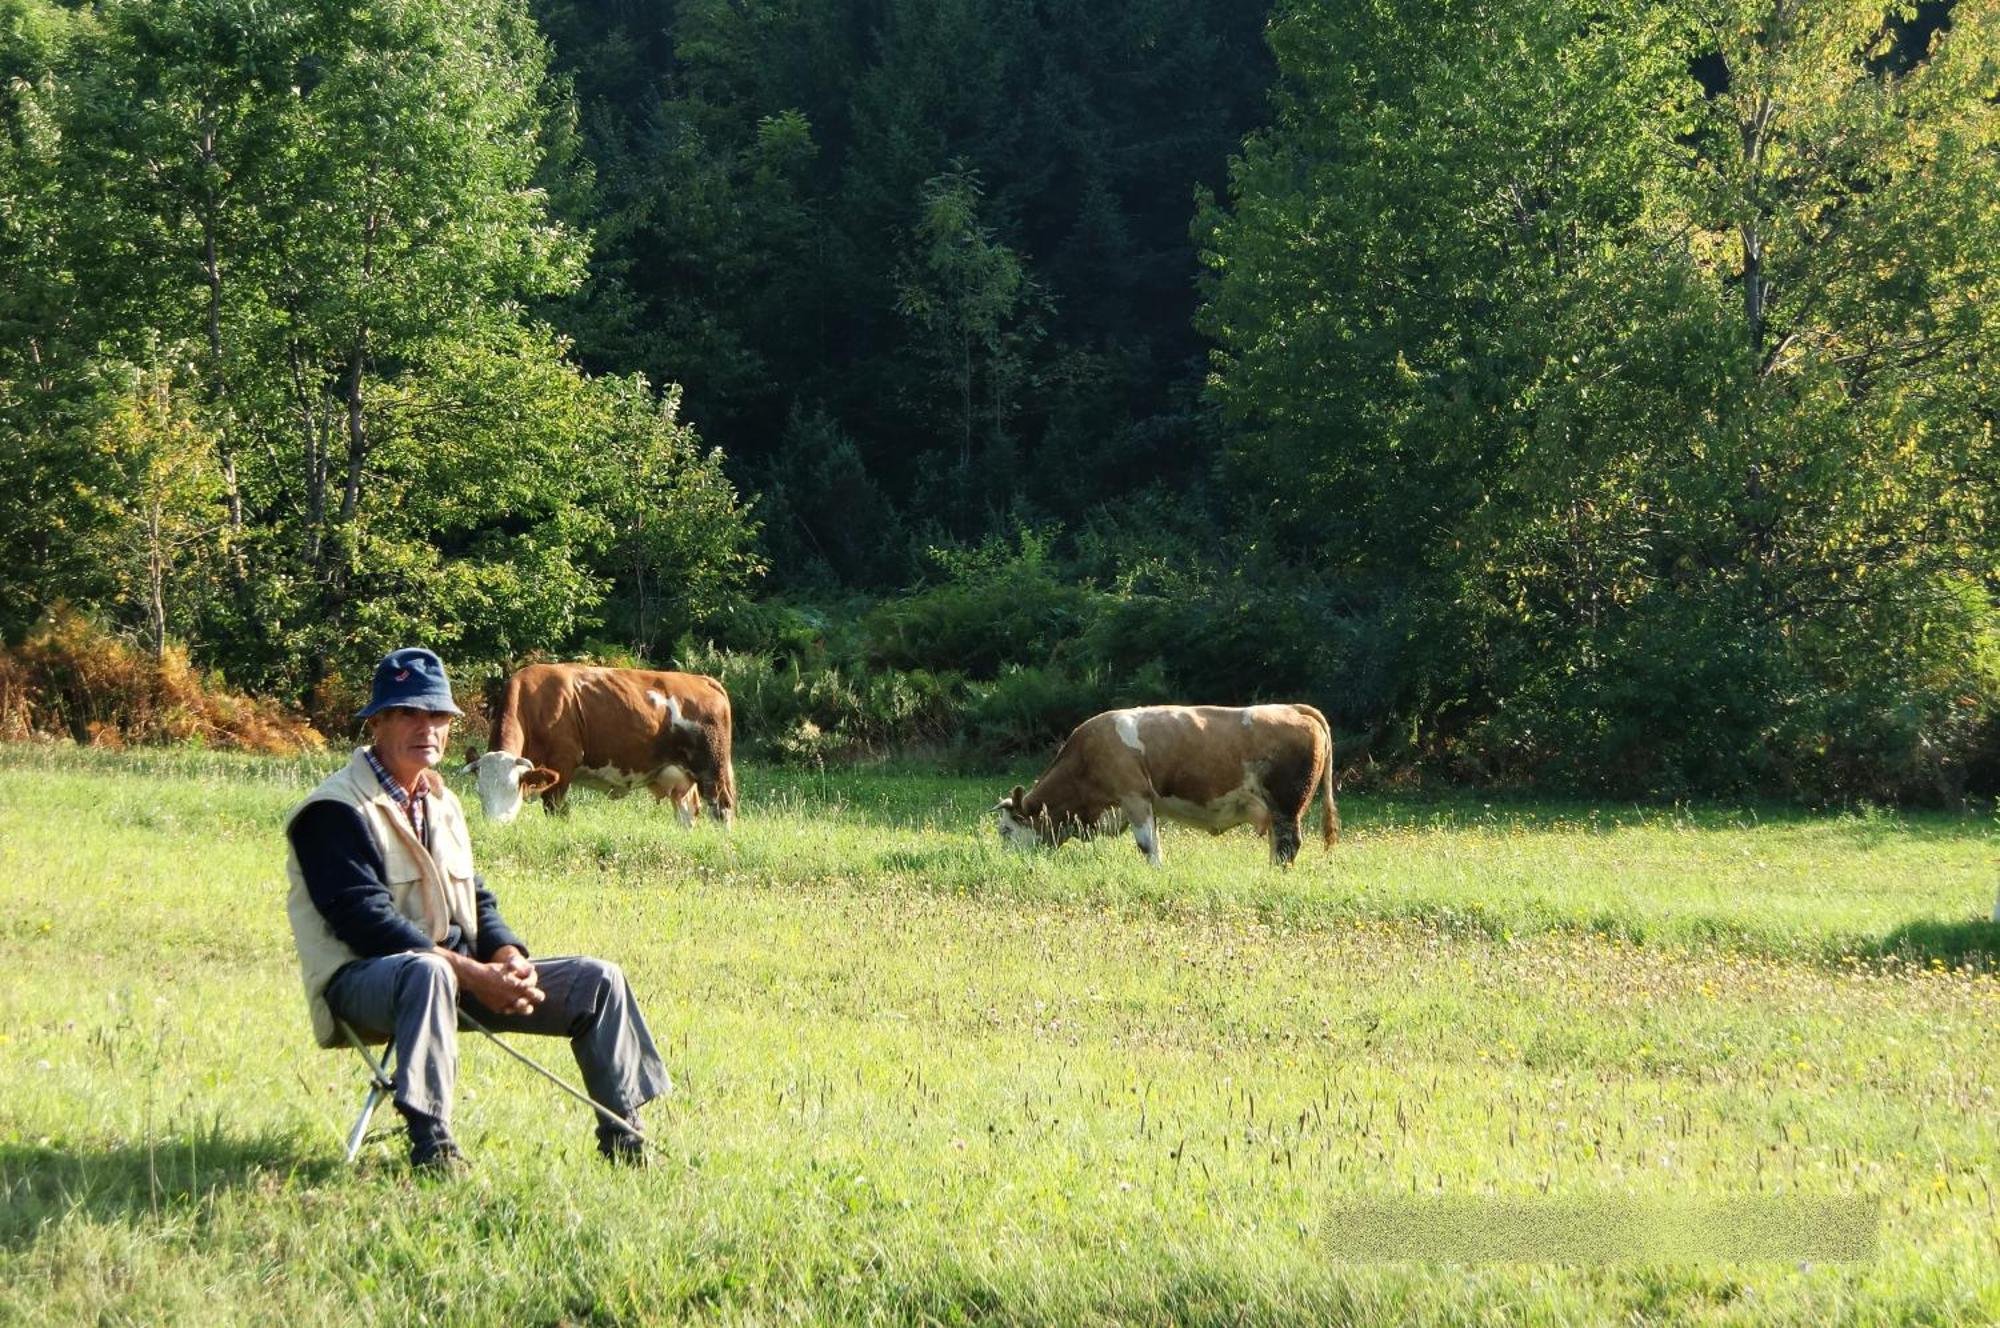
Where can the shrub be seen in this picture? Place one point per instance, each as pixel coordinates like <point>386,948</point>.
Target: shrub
<point>806,711</point>
<point>1001,604</point>
<point>1029,710</point>
<point>1237,640</point>
<point>1689,695</point>
<point>72,678</point>
<point>825,520</point>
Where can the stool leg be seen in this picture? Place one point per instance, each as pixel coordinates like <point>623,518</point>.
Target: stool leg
<point>360,1130</point>
<point>380,1085</point>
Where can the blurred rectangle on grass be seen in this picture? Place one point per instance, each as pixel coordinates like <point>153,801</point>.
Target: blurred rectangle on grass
<point>1789,1229</point>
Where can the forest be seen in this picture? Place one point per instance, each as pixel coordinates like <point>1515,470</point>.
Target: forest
<point>1593,397</point>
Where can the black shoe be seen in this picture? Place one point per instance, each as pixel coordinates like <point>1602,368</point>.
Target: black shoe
<point>623,1147</point>
<point>432,1149</point>
<point>443,1162</point>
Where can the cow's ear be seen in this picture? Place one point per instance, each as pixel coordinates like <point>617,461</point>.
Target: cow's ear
<point>1018,794</point>
<point>471,759</point>
<point>538,780</point>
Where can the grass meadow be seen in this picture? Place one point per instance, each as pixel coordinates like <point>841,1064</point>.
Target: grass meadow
<point>920,1079</point>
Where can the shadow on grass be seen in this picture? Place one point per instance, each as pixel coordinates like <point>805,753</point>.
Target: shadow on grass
<point>916,801</point>
<point>959,865</point>
<point>1956,943</point>
<point>1456,810</point>
<point>44,1182</point>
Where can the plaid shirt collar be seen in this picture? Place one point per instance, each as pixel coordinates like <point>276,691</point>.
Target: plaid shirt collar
<point>413,809</point>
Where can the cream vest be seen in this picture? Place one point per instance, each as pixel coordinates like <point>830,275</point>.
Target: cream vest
<point>433,889</point>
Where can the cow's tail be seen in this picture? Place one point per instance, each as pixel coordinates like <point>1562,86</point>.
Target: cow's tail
<point>725,773</point>
<point>725,786</point>
<point>1329,812</point>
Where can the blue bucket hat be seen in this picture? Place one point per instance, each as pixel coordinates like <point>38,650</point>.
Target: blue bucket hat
<point>412,677</point>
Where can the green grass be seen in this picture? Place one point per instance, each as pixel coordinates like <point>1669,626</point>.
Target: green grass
<point>923,1079</point>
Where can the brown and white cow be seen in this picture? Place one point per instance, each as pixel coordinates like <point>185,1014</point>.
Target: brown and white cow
<point>565,725</point>
<point>1211,766</point>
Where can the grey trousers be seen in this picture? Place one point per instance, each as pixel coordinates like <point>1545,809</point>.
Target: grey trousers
<point>413,1000</point>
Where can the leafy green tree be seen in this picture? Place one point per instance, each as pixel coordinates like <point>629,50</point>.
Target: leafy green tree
<point>1406,245</point>
<point>965,293</point>
<point>180,123</point>
<point>1658,393</point>
<point>680,544</point>
<point>710,261</point>
<point>312,201</point>
<point>37,295</point>
<point>166,525</point>
<point>825,517</point>
<point>330,219</point>
<point>50,403</point>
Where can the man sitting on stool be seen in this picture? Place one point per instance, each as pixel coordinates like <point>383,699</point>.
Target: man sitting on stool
<point>396,931</point>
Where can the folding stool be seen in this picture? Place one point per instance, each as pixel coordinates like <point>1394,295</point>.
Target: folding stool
<point>380,1085</point>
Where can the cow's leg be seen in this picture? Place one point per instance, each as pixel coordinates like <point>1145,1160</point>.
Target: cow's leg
<point>1145,829</point>
<point>720,791</point>
<point>1285,794</point>
<point>686,798</point>
<point>1284,839</point>
<point>556,801</point>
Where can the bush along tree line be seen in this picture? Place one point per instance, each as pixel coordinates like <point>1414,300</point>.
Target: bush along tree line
<point>1588,396</point>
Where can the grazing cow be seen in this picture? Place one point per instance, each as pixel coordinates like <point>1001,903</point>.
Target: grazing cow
<point>1211,766</point>
<point>612,729</point>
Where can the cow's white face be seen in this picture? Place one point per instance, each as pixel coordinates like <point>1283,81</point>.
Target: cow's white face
<point>1016,830</point>
<point>1016,833</point>
<point>504,785</point>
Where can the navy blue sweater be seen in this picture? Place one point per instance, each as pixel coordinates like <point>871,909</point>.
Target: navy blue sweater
<point>348,883</point>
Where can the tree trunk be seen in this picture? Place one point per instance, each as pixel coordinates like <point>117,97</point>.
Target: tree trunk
<point>1753,289</point>
<point>350,497</point>
<point>965,401</point>
<point>313,467</point>
<point>357,429</point>
<point>218,381</point>
<point>1753,230</point>
<point>156,578</point>
<point>1755,128</point>
<point>333,573</point>
<point>334,580</point>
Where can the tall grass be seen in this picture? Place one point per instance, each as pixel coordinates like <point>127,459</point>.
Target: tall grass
<point>924,1080</point>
